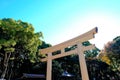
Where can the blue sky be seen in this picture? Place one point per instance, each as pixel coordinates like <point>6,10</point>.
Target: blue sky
<point>61,20</point>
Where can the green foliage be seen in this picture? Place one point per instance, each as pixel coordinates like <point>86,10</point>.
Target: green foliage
<point>99,70</point>
<point>7,43</point>
<point>90,53</point>
<point>44,45</point>
<point>19,39</point>
<point>112,51</point>
<point>8,50</point>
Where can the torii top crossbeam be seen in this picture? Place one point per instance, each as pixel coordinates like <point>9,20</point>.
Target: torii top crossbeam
<point>82,38</point>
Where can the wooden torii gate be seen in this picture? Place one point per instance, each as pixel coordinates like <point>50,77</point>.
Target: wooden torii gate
<point>79,50</point>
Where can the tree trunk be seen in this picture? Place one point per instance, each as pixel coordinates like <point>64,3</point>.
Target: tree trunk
<point>6,60</point>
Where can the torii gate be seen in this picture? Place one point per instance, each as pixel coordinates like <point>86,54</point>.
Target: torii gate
<point>79,50</point>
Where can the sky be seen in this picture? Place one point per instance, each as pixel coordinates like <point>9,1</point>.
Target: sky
<point>61,20</point>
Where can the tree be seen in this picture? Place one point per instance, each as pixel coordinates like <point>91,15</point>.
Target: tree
<point>112,53</point>
<point>18,41</point>
<point>99,70</point>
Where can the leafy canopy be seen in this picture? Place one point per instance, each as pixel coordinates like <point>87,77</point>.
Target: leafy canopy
<point>111,53</point>
<point>19,38</point>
